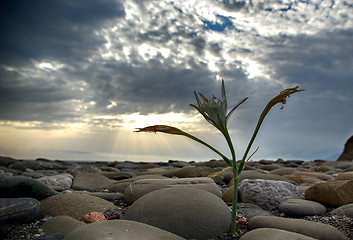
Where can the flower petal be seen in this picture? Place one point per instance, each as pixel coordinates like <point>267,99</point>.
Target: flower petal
<point>205,100</point>
<point>197,99</point>
<point>236,106</point>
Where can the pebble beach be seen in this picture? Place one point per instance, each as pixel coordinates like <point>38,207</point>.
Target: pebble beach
<point>278,199</point>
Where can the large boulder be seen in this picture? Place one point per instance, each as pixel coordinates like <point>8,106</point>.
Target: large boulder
<point>141,187</point>
<point>273,234</point>
<point>25,187</point>
<point>186,211</point>
<point>119,230</point>
<point>267,194</point>
<point>61,224</point>
<point>74,205</point>
<point>347,154</point>
<point>335,193</point>
<point>308,228</point>
<point>60,181</point>
<point>91,182</point>
<point>18,210</point>
<point>120,185</point>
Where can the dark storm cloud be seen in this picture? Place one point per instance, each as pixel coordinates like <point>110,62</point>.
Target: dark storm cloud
<point>321,63</point>
<point>59,31</point>
<point>49,29</point>
<point>148,87</point>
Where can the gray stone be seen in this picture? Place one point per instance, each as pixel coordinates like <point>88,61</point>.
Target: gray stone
<point>126,165</point>
<point>251,174</point>
<point>120,185</point>
<point>22,165</point>
<point>25,187</point>
<point>40,173</point>
<point>91,182</point>
<point>213,164</point>
<point>141,187</point>
<point>283,171</point>
<point>4,174</point>
<point>74,205</point>
<point>273,234</point>
<point>119,230</point>
<point>308,228</point>
<point>301,208</point>
<point>109,196</point>
<point>269,167</point>
<point>119,175</point>
<point>345,210</point>
<point>74,170</point>
<point>267,194</point>
<point>192,172</point>
<point>60,180</point>
<point>6,161</point>
<point>18,210</point>
<point>319,175</point>
<point>249,210</point>
<point>61,224</point>
<point>109,169</point>
<point>186,211</point>
<point>10,170</point>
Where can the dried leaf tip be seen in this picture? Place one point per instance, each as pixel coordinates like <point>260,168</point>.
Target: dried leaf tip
<point>161,128</point>
<point>282,96</point>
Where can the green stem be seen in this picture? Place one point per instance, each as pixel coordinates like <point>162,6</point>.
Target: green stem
<point>231,147</point>
<point>235,201</point>
<point>259,122</point>
<point>209,146</point>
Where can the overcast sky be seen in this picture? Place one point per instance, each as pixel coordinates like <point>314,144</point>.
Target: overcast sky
<point>77,77</point>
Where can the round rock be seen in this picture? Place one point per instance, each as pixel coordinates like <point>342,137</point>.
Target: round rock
<point>307,228</point>
<point>267,194</point>
<point>91,182</point>
<point>61,224</point>
<point>18,210</point>
<point>61,180</point>
<point>25,187</point>
<point>301,208</point>
<point>186,211</point>
<point>345,210</point>
<point>75,205</point>
<point>119,230</point>
<point>334,193</point>
<point>273,234</point>
<point>141,187</point>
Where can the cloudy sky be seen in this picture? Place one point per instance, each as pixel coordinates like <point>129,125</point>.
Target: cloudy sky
<point>77,77</point>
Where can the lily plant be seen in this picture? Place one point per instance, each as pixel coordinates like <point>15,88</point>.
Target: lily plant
<point>214,110</point>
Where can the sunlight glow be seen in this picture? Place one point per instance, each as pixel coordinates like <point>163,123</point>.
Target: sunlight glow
<point>254,69</point>
<point>50,66</point>
<point>135,120</point>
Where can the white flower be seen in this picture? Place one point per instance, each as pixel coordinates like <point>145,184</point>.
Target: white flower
<point>214,110</point>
